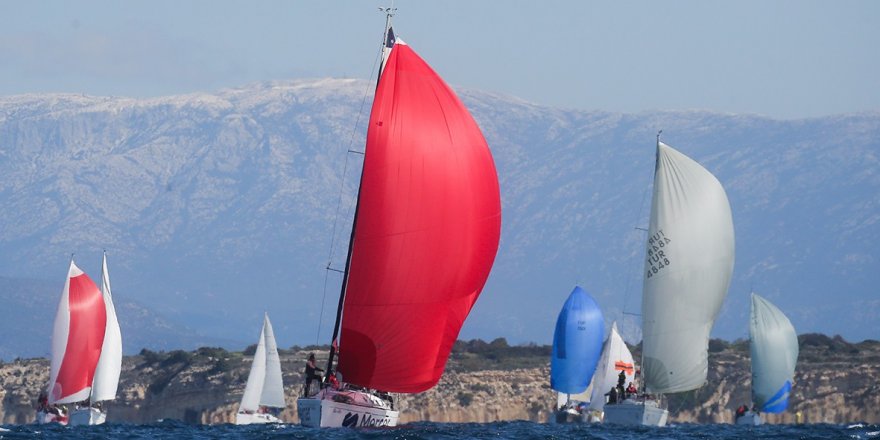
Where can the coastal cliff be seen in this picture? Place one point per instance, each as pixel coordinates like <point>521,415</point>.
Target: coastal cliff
<point>836,382</point>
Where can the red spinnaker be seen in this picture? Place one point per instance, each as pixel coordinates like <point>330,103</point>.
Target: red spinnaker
<point>88,320</point>
<point>428,225</point>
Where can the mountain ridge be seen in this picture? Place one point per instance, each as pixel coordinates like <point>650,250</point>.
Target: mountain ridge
<point>215,207</point>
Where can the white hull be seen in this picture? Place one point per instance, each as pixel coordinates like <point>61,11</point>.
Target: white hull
<point>46,417</point>
<point>87,416</point>
<point>636,412</point>
<point>329,410</point>
<point>750,418</point>
<point>255,418</point>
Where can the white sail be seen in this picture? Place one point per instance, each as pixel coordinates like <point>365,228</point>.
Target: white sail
<point>59,337</point>
<point>264,386</point>
<point>689,261</point>
<point>562,398</point>
<point>774,351</point>
<point>109,366</point>
<point>273,387</point>
<point>615,358</point>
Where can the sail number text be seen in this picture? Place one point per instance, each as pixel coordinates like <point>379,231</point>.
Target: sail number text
<point>657,258</point>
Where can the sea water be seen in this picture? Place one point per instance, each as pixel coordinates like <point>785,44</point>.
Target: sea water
<point>498,430</point>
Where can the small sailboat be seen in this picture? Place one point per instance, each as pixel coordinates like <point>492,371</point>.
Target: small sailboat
<point>773,345</point>
<point>86,350</point>
<point>425,234</point>
<point>264,388</point>
<point>688,264</point>
<point>616,358</point>
<point>577,344</point>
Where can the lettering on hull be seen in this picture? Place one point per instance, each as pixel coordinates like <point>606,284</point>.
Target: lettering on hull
<point>352,420</point>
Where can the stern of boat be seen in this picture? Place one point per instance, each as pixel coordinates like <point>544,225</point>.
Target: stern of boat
<point>636,413</point>
<point>750,418</point>
<point>87,416</point>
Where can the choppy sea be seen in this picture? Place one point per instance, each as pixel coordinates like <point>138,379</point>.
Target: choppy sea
<point>498,430</point>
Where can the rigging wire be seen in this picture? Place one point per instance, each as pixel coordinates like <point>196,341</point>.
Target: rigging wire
<point>629,280</point>
<point>333,235</point>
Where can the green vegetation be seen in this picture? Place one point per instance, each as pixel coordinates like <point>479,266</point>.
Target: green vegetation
<point>476,354</point>
<point>464,399</point>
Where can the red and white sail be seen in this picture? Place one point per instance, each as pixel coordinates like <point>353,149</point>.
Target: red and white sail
<point>426,231</point>
<point>77,338</point>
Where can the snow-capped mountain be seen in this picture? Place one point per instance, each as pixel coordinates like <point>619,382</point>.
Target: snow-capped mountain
<point>217,207</point>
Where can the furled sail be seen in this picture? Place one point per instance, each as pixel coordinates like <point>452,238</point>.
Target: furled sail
<point>616,357</point>
<point>110,363</point>
<point>77,337</point>
<point>264,385</point>
<point>426,231</point>
<point>774,351</point>
<point>577,343</point>
<point>688,264</point>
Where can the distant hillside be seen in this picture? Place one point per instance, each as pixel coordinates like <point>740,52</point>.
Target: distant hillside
<point>217,207</point>
<point>28,313</point>
<point>836,382</point>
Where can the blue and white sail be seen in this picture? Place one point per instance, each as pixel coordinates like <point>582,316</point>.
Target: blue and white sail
<point>577,343</point>
<point>774,351</point>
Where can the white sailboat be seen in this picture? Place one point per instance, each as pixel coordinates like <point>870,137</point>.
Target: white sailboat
<point>86,349</point>
<point>688,264</point>
<point>615,358</point>
<point>425,234</point>
<point>264,388</point>
<point>773,345</point>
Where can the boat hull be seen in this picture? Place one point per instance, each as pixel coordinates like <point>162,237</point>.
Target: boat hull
<point>325,410</point>
<point>255,418</point>
<point>48,417</point>
<point>573,416</point>
<point>87,416</point>
<point>635,413</point>
<point>750,418</point>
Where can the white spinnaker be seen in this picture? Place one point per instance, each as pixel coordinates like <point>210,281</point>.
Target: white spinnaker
<point>109,367</point>
<point>250,401</point>
<point>606,376</point>
<point>689,261</point>
<point>773,348</point>
<point>60,332</point>
<point>273,387</point>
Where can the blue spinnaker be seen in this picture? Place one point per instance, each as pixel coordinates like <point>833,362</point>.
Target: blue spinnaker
<point>577,343</point>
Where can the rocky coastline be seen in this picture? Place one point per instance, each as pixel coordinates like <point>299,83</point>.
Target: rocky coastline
<point>836,382</point>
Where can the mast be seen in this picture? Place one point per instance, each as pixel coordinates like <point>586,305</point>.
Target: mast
<point>643,383</point>
<point>387,43</point>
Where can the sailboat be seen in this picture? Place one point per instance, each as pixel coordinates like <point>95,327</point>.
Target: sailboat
<point>577,344</point>
<point>424,237</point>
<point>264,388</point>
<point>774,352</point>
<point>616,358</point>
<point>86,349</point>
<point>688,264</point>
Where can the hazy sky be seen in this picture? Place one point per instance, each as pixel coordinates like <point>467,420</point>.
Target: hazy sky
<point>782,58</point>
